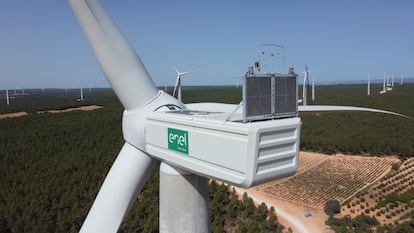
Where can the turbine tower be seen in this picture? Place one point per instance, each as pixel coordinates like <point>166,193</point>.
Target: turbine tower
<point>178,81</point>
<point>384,89</point>
<point>305,84</point>
<point>7,97</point>
<point>81,93</point>
<point>369,84</point>
<point>313,87</point>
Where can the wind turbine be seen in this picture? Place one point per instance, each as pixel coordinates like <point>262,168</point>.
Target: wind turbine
<point>369,84</point>
<point>305,84</point>
<point>183,194</point>
<point>178,80</point>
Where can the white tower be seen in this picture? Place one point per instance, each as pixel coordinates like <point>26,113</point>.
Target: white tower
<point>369,84</point>
<point>313,87</point>
<point>7,97</point>
<point>384,89</point>
<point>305,84</point>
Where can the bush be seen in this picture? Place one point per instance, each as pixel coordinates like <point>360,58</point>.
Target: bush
<point>332,207</point>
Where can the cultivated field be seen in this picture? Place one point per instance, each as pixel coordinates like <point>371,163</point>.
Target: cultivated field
<point>321,178</point>
<point>390,200</point>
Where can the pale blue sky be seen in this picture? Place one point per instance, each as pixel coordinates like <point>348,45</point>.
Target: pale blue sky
<point>42,45</point>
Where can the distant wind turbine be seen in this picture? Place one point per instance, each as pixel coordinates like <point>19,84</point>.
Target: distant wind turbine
<point>369,84</point>
<point>402,77</point>
<point>305,84</point>
<point>178,80</point>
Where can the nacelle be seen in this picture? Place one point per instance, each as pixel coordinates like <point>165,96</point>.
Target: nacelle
<point>236,152</point>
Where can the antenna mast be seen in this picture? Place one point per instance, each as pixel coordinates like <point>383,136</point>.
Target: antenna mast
<point>272,55</point>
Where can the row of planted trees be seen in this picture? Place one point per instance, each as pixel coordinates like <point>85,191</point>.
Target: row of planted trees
<point>361,223</point>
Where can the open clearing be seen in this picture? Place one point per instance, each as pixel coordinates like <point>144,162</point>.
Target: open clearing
<point>20,114</point>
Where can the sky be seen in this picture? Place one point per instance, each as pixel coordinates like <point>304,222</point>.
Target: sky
<point>43,46</point>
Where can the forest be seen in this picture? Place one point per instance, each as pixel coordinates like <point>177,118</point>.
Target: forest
<point>52,165</point>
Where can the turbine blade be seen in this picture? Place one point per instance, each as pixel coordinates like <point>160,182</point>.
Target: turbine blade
<point>175,69</point>
<point>122,67</point>
<point>189,72</point>
<point>179,89</point>
<point>333,108</point>
<point>119,190</point>
<point>219,107</point>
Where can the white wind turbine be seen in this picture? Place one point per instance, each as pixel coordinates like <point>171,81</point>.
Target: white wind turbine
<point>178,81</point>
<point>305,84</point>
<point>183,194</point>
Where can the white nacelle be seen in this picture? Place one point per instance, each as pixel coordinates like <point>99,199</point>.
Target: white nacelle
<point>243,154</point>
